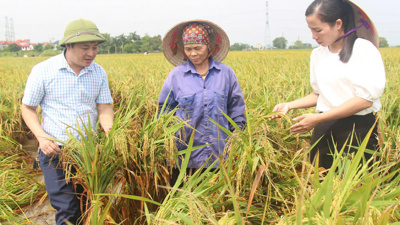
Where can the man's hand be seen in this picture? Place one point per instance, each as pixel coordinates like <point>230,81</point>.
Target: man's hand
<point>106,117</point>
<point>107,129</point>
<point>49,147</point>
<point>31,119</point>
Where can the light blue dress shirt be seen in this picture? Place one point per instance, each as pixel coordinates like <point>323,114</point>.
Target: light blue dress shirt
<point>66,98</point>
<point>199,100</point>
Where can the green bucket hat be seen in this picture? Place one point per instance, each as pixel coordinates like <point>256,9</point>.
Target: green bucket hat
<point>81,30</point>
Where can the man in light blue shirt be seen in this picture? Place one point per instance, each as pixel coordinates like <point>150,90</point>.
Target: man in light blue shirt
<point>68,88</point>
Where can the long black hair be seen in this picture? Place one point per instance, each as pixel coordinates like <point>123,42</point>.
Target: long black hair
<point>329,11</point>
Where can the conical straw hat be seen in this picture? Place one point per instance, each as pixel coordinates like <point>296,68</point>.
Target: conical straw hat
<point>172,42</point>
<point>370,34</point>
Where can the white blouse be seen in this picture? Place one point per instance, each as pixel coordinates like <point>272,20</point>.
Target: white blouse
<point>336,82</point>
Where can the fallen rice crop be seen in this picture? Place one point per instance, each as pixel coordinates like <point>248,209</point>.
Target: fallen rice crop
<point>266,177</point>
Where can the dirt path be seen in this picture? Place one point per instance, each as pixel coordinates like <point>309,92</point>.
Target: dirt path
<point>41,214</point>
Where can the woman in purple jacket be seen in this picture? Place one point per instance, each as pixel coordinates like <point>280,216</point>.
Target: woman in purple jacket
<point>202,88</point>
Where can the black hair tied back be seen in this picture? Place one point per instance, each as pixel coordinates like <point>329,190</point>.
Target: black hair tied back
<point>329,11</point>
<point>348,24</point>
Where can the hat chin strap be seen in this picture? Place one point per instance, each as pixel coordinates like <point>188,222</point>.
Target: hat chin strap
<point>209,54</point>
<point>212,51</point>
<point>364,23</point>
<point>82,33</point>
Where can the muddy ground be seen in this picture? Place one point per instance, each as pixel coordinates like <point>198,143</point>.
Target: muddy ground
<point>40,213</point>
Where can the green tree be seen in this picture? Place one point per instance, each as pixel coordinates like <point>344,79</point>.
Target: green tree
<point>38,47</point>
<point>155,43</point>
<point>13,48</point>
<point>48,47</point>
<point>121,41</point>
<point>145,43</point>
<point>307,45</point>
<point>279,42</point>
<point>239,47</point>
<point>113,45</point>
<point>133,37</point>
<point>300,45</point>
<point>128,48</point>
<point>145,47</point>
<point>383,42</point>
<point>137,46</point>
<point>133,43</point>
<point>130,43</point>
<point>106,46</point>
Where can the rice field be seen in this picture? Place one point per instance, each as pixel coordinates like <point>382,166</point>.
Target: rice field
<point>266,178</point>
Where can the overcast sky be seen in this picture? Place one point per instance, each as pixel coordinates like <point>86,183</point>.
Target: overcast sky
<point>243,20</point>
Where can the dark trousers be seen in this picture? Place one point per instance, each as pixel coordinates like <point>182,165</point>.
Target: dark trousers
<point>338,132</point>
<point>62,196</point>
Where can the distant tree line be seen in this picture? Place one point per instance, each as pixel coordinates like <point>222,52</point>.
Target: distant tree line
<point>300,45</point>
<point>281,43</point>
<point>240,47</point>
<point>41,48</point>
<point>131,43</point>
<point>38,49</point>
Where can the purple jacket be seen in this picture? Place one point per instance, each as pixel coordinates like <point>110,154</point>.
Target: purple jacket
<point>200,100</point>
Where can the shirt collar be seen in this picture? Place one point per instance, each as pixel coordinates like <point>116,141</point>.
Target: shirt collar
<point>190,67</point>
<point>63,64</point>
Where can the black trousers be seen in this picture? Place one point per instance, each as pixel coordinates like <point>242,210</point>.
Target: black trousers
<point>338,132</point>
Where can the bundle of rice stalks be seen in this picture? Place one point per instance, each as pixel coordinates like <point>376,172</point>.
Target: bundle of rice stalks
<point>351,192</point>
<point>18,188</point>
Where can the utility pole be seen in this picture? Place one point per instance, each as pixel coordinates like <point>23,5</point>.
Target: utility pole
<point>7,34</point>
<point>12,33</point>
<point>267,35</point>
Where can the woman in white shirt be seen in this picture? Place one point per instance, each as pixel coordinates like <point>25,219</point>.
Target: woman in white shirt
<point>347,76</point>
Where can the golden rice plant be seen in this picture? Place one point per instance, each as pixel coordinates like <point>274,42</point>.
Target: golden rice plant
<point>266,177</point>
